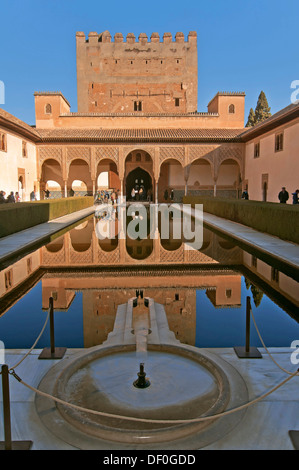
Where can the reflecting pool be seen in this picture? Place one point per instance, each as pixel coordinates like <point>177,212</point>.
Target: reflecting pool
<point>203,291</point>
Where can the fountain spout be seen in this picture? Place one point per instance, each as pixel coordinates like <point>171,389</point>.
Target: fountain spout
<point>142,381</point>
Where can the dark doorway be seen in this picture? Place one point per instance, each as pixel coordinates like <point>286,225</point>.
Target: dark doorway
<point>140,182</point>
<point>265,189</point>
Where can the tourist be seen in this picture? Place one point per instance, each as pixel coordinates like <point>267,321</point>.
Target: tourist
<point>245,194</point>
<point>47,194</point>
<point>32,196</point>
<point>172,195</point>
<point>283,196</point>
<point>17,197</point>
<point>113,197</point>
<point>2,197</point>
<point>10,198</point>
<point>141,194</point>
<point>296,197</point>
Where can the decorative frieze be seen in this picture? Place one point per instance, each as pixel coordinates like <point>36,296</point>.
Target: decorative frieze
<point>178,153</point>
<point>107,152</point>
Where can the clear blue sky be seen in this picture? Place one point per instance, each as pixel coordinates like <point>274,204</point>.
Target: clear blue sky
<point>242,45</point>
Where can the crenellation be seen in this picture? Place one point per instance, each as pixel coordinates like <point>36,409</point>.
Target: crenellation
<point>179,37</point>
<point>93,38</point>
<point>155,37</point>
<point>192,36</point>
<point>118,37</point>
<point>142,38</point>
<point>130,38</point>
<point>167,38</point>
<point>105,37</point>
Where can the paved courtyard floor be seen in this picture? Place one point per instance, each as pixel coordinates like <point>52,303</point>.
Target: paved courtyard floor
<point>265,425</point>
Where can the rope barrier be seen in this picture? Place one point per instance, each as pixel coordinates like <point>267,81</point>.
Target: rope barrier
<point>34,344</point>
<point>157,421</point>
<point>154,421</point>
<point>268,352</point>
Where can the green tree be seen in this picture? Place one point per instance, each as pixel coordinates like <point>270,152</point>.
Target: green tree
<point>251,118</point>
<point>262,110</point>
<point>257,295</point>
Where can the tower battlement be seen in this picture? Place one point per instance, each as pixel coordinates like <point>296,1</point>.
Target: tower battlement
<point>105,37</point>
<point>133,74</point>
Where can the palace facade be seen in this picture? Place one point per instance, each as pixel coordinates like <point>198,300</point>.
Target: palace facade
<point>137,123</point>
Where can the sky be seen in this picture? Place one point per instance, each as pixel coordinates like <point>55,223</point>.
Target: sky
<point>243,45</point>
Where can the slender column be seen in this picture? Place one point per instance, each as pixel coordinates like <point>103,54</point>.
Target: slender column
<point>215,187</point>
<point>93,187</point>
<point>121,190</point>
<point>65,188</point>
<point>156,191</point>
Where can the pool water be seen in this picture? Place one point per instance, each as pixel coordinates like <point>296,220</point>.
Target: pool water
<point>203,293</point>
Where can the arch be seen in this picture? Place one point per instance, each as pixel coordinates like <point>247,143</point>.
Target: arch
<point>79,171</point>
<point>231,109</point>
<point>139,249</point>
<point>55,189</point>
<point>142,159</point>
<point>50,171</point>
<point>81,239</point>
<point>229,175</point>
<point>140,181</point>
<point>79,188</point>
<point>107,167</point>
<point>55,246</point>
<point>171,181</point>
<point>201,174</point>
<point>48,108</point>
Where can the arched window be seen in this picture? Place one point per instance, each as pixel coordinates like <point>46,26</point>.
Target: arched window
<point>231,109</point>
<point>48,109</point>
<point>3,142</point>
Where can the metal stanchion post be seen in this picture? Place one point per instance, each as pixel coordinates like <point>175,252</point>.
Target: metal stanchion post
<point>8,444</point>
<point>52,352</point>
<point>248,351</point>
<point>294,435</point>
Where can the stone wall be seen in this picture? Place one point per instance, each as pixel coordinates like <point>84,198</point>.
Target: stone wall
<point>145,75</point>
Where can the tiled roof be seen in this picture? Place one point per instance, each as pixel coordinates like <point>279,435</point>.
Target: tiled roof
<point>51,93</point>
<point>286,114</point>
<point>66,134</point>
<point>11,122</point>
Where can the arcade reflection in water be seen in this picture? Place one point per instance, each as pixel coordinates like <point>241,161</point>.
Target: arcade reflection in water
<point>109,271</point>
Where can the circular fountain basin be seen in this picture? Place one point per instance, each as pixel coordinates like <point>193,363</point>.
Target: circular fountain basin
<point>184,385</point>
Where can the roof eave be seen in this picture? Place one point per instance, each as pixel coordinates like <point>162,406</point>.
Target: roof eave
<point>265,126</point>
<point>14,127</point>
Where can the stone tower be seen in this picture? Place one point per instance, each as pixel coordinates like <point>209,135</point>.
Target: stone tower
<point>144,76</point>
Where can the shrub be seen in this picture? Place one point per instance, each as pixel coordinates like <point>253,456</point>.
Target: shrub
<point>19,216</point>
<point>280,220</point>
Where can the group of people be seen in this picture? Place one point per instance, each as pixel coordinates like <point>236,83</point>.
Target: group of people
<point>283,196</point>
<point>15,197</point>
<point>138,193</point>
<point>104,196</point>
<point>12,197</point>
